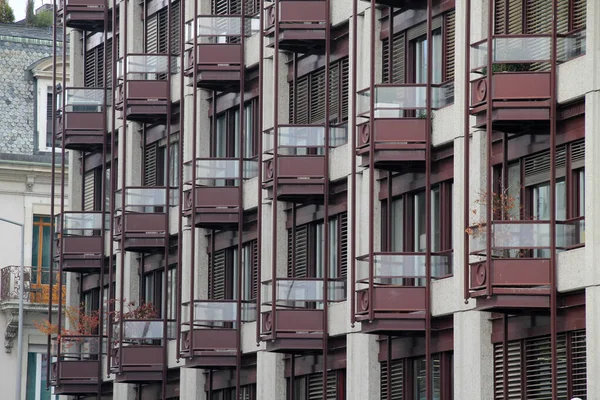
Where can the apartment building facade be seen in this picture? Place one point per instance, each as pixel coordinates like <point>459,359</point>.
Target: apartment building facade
<point>276,200</point>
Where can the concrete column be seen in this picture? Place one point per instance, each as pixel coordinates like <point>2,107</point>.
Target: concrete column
<point>362,367</point>
<point>124,391</point>
<point>592,325</point>
<point>473,356</point>
<point>270,378</point>
<point>592,187</point>
<point>191,384</point>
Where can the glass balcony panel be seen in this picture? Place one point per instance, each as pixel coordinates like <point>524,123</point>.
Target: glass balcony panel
<point>388,266</point>
<point>570,233</point>
<point>214,168</point>
<point>84,100</point>
<point>301,136</point>
<point>479,55</point>
<point>572,45</point>
<point>219,27</point>
<point>295,291</point>
<point>442,95</point>
<point>80,347</point>
<point>144,199</point>
<point>520,235</point>
<point>148,66</point>
<point>141,330</point>
<point>223,311</point>
<point>390,98</point>
<point>521,49</point>
<point>82,224</point>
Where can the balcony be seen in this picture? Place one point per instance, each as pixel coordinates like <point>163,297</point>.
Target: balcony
<point>80,241</point>
<point>212,341</point>
<point>141,222</point>
<point>143,94</point>
<point>87,15</point>
<point>82,124</point>
<point>217,191</point>
<point>295,323</point>
<point>76,368</point>
<point>521,86</point>
<point>400,124</point>
<point>138,354</point>
<point>394,301</point>
<point>299,156</point>
<point>402,4</point>
<point>36,287</point>
<point>299,27</point>
<point>220,64</point>
<point>517,276</point>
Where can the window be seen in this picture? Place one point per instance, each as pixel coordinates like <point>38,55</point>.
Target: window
<point>529,367</point>
<point>305,251</point>
<point>420,61</point>
<point>157,27</point>
<point>40,255</point>
<point>36,377</point>
<point>49,117</point>
<point>307,96</point>
<point>248,392</point>
<point>310,387</point>
<point>156,170</point>
<point>94,66</point>
<point>407,378</point>
<point>92,189</point>
<point>511,17</point>
<point>226,143</point>
<point>153,291</point>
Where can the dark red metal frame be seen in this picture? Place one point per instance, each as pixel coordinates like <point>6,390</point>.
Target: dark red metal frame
<point>494,119</point>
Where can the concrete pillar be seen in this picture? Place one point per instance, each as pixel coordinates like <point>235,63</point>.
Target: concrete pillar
<point>362,367</point>
<point>270,377</point>
<point>592,325</point>
<point>191,384</point>
<point>124,391</point>
<point>592,189</point>
<point>473,356</point>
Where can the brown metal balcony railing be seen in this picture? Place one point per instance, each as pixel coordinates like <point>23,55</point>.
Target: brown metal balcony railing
<point>297,325</point>
<point>212,340</point>
<point>302,25</point>
<point>300,161</point>
<point>520,79</point>
<point>75,364</point>
<point>79,238</point>
<point>141,223</point>
<point>144,87</point>
<point>400,122</point>
<point>87,15</point>
<point>36,285</point>
<point>220,59</point>
<point>82,123</point>
<point>395,301</point>
<point>217,196</point>
<point>137,356</point>
<point>518,273</point>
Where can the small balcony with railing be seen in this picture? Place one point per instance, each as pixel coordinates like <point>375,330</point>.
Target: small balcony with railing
<point>398,137</point>
<point>299,26</point>
<point>294,166</point>
<point>76,367</point>
<point>141,220</point>
<point>520,81</point>
<point>517,274</point>
<point>292,316</point>
<point>37,288</point>
<point>215,196</point>
<point>86,15</point>
<point>79,241</point>
<point>81,125</point>
<point>219,55</point>
<point>137,354</point>
<point>391,290</point>
<point>211,341</point>
<point>143,92</point>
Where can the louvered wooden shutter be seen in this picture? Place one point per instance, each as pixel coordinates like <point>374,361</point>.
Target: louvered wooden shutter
<point>216,276</point>
<point>539,16</point>
<point>100,65</point>
<point>538,373</point>
<point>300,269</point>
<point>578,364</point>
<point>317,97</point>
<point>514,14</point>
<point>514,371</point>
<point>579,14</point>
<point>315,386</point>
<point>109,61</point>
<point>537,166</point>
<point>88,190</point>
<point>562,20</point>
<point>450,44</point>
<point>343,245</point>
<point>334,94</point>
<point>345,67</point>
<point>398,59</point>
<point>151,165</point>
<point>163,26</point>
<point>299,115</point>
<point>255,270</point>
<point>90,69</point>
<point>152,34</point>
<point>175,27</point>
<point>396,380</point>
<point>499,17</point>
<point>578,154</point>
<point>220,7</point>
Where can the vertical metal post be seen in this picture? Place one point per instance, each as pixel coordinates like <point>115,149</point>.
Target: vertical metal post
<point>488,152</point>
<point>352,130</point>
<point>260,176</point>
<point>372,11</point>
<point>467,139</point>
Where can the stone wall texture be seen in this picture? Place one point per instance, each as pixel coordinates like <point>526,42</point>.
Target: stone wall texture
<point>19,49</point>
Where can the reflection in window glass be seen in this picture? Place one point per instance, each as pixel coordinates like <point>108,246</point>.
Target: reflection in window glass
<point>397,228</point>
<point>435,219</point>
<point>420,227</point>
<point>419,366</point>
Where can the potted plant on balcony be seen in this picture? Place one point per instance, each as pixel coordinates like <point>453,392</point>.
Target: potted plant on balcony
<point>143,315</point>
